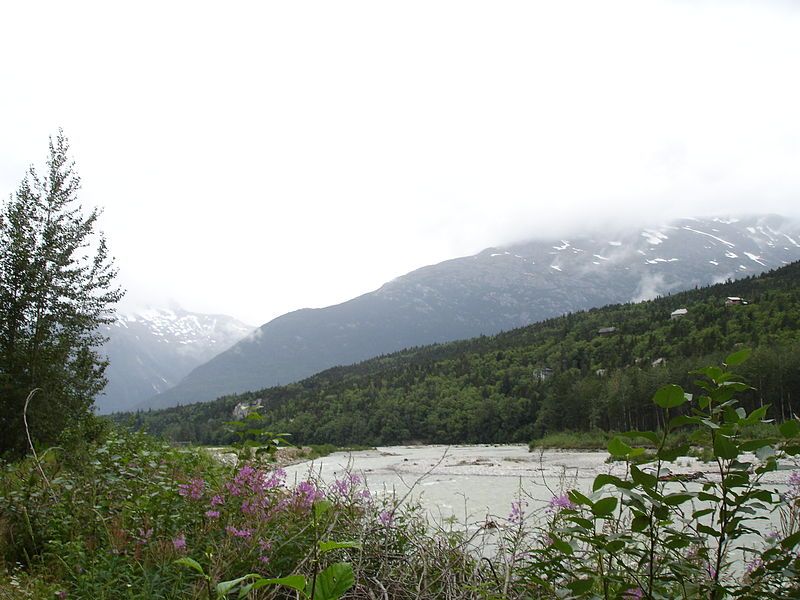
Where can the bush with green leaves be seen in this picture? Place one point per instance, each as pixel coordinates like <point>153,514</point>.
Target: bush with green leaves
<point>656,534</point>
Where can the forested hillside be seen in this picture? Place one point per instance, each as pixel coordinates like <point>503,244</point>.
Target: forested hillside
<point>563,373</point>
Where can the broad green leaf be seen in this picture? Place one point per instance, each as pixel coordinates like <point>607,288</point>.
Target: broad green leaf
<point>725,448</point>
<point>296,582</point>
<point>580,586</point>
<point>604,507</point>
<point>604,479</point>
<point>191,563</point>
<point>676,499</point>
<point>738,357</point>
<point>753,445</point>
<point>791,541</point>
<point>333,582</point>
<point>670,396</point>
<point>713,373</point>
<point>328,546</point>
<point>577,498</point>
<point>789,429</point>
<point>640,523</point>
<point>616,447</point>
<point>644,479</point>
<point>320,508</point>
<point>757,415</point>
<point>226,587</point>
<point>561,546</point>
<point>708,530</point>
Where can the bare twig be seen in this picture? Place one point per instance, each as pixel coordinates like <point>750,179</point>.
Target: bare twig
<point>30,442</point>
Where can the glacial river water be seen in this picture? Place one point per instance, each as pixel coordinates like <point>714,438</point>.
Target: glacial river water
<point>473,482</point>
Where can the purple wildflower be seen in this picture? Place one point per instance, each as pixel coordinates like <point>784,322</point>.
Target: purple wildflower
<point>633,593</point>
<point>793,493</point>
<point>560,502</point>
<point>212,514</point>
<point>179,542</point>
<point>386,518</point>
<point>192,490</point>
<point>240,533</point>
<point>753,565</point>
<point>306,493</point>
<point>217,500</point>
<point>517,513</point>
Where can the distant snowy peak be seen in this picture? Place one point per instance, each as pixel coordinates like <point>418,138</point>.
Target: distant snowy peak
<point>151,350</point>
<point>186,328</point>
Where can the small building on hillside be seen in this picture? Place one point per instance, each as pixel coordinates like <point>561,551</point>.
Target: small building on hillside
<point>600,372</point>
<point>659,362</point>
<point>606,330</point>
<point>543,374</point>
<point>678,313</point>
<point>734,301</point>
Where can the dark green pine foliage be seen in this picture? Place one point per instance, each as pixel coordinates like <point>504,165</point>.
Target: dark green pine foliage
<point>560,374</point>
<point>56,290</point>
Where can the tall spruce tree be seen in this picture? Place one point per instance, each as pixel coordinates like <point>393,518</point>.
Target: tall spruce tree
<point>56,291</point>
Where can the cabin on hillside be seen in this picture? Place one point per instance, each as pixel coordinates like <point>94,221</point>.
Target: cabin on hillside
<point>659,362</point>
<point>543,374</point>
<point>606,330</point>
<point>678,313</point>
<point>734,301</point>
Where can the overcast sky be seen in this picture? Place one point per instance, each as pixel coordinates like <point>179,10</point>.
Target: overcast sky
<point>255,158</point>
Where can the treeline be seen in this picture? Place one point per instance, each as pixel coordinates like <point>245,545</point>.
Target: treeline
<point>560,374</point>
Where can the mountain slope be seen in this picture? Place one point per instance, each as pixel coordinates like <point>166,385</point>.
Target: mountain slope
<point>495,290</point>
<point>596,369</point>
<point>152,350</point>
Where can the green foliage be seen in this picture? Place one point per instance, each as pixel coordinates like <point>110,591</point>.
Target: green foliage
<point>56,291</point>
<point>656,535</point>
<point>141,520</point>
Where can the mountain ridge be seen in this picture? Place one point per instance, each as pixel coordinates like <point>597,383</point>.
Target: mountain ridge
<point>497,289</point>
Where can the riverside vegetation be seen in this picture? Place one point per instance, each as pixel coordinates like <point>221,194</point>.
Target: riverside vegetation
<point>133,518</point>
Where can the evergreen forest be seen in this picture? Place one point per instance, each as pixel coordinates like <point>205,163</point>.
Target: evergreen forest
<point>587,371</point>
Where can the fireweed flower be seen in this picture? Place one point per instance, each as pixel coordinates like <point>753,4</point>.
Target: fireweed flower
<point>517,513</point>
<point>386,518</point>
<point>559,502</point>
<point>239,533</point>
<point>192,490</point>
<point>212,514</point>
<point>306,493</point>
<point>179,543</point>
<point>793,493</point>
<point>753,565</point>
<point>217,500</point>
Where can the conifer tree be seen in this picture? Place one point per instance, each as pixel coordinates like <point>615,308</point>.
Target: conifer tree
<point>57,290</point>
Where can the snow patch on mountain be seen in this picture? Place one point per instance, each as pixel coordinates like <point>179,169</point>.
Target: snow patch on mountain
<point>755,258</point>
<point>719,239</point>
<point>653,236</point>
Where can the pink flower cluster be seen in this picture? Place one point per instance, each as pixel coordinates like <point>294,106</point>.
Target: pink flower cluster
<point>560,502</point>
<point>251,481</point>
<point>193,490</point>
<point>345,486</point>
<point>306,493</point>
